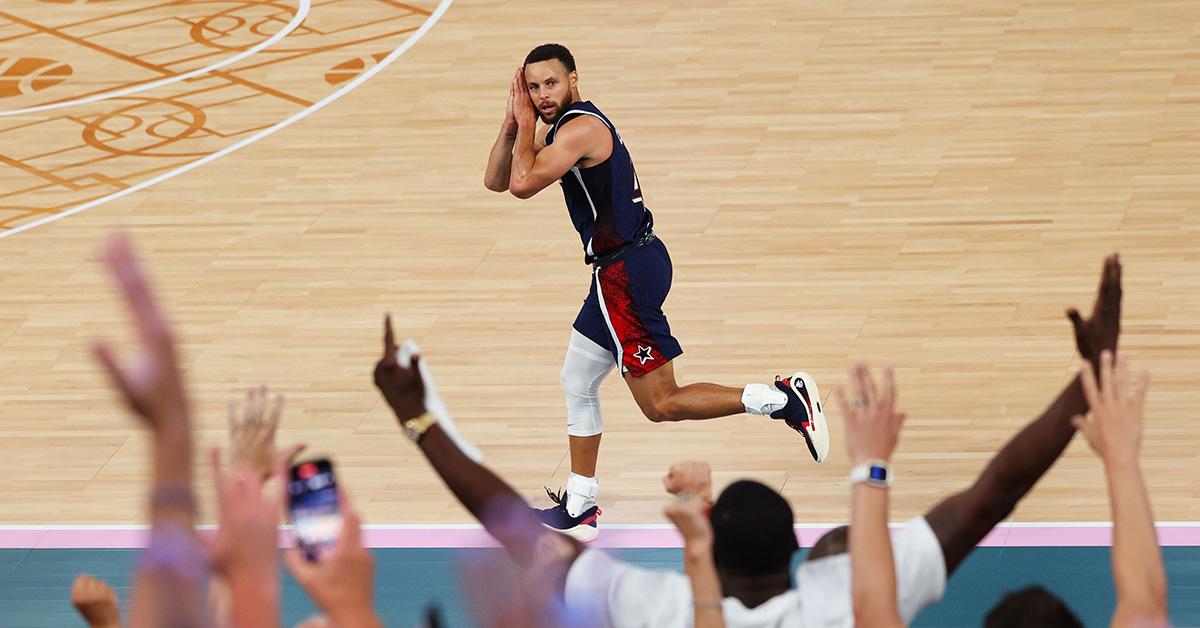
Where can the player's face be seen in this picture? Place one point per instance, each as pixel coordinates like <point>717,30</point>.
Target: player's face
<point>549,86</point>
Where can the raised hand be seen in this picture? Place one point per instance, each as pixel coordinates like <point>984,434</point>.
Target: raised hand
<point>523,110</point>
<point>341,585</point>
<point>872,423</point>
<point>96,602</point>
<point>248,521</point>
<point>252,436</point>
<point>1115,429</point>
<point>689,513</point>
<point>510,120</point>
<point>1099,331</point>
<point>402,386</point>
<point>151,383</point>
<point>690,478</point>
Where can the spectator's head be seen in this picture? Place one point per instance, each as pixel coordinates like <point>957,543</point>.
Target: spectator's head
<point>1032,606</point>
<point>834,542</point>
<point>752,529</point>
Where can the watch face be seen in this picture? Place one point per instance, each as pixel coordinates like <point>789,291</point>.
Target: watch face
<point>879,474</point>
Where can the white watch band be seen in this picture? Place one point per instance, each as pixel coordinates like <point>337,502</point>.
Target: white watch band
<point>872,473</point>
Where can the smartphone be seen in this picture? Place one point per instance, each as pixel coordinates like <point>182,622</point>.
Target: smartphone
<point>314,504</point>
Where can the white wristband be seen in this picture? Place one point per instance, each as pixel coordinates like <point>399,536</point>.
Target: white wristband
<point>872,473</point>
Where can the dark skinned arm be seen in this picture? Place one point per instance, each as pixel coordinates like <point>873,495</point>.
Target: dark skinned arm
<point>490,499</point>
<point>962,520</point>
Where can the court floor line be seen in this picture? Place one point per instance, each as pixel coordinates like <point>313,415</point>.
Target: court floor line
<point>302,10</point>
<point>349,86</point>
<point>1049,534</point>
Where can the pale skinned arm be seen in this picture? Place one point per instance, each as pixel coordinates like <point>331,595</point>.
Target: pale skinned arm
<point>689,513</point>
<point>872,431</point>
<point>1115,434</point>
<point>152,387</point>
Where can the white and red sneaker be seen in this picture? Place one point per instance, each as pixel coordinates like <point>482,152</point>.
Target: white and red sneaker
<point>803,412</point>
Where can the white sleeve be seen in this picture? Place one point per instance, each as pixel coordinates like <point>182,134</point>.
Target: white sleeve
<point>920,578</point>
<point>600,586</point>
<point>920,568</point>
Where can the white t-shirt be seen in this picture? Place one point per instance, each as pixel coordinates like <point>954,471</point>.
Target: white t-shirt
<point>621,595</point>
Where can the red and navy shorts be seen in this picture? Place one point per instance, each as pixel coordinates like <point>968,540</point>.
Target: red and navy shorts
<point>623,310</point>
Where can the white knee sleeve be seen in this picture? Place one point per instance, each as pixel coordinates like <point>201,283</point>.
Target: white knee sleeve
<point>584,368</point>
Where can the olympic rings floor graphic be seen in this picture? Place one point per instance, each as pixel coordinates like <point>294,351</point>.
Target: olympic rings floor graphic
<point>183,104</point>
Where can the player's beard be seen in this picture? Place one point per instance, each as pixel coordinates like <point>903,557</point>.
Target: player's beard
<point>559,108</point>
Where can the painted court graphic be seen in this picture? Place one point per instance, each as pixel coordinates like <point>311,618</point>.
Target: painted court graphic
<point>56,161</point>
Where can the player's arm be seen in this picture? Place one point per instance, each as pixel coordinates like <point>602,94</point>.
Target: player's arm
<point>533,169</point>
<point>499,165</point>
<point>1114,433</point>
<point>490,499</point>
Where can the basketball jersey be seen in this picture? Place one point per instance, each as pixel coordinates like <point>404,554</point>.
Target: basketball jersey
<point>605,200</point>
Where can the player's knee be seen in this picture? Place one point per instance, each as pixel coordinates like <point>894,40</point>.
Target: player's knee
<point>659,411</point>
<point>578,383</point>
<point>580,378</point>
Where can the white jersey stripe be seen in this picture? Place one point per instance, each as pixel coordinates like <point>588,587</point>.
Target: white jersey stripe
<point>608,322</point>
<point>582,112</point>
<point>579,177</point>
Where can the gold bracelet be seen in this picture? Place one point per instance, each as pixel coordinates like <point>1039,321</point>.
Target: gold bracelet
<point>414,429</point>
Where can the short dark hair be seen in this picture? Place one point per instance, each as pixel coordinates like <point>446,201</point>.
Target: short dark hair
<point>1031,606</point>
<point>832,543</point>
<point>752,530</point>
<point>546,52</point>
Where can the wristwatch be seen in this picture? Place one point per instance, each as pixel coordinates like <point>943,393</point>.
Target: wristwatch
<point>414,429</point>
<point>873,473</point>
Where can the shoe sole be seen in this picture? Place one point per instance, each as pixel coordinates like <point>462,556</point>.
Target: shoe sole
<point>816,435</point>
<point>579,533</point>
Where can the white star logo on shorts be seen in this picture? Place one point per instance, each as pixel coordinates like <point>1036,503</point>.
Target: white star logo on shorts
<point>643,354</point>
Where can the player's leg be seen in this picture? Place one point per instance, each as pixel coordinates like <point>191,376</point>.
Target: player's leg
<point>631,294</point>
<point>662,399</point>
<point>585,366</point>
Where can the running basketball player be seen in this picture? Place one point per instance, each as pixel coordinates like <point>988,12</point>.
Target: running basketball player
<point>621,322</point>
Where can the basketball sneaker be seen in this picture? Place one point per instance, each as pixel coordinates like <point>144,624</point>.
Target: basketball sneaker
<point>803,412</point>
<point>558,519</point>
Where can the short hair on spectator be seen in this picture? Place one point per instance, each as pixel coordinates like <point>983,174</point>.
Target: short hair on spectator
<point>832,543</point>
<point>1031,606</point>
<point>546,52</point>
<point>752,530</point>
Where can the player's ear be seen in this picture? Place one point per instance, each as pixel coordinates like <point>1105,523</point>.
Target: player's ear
<point>574,76</point>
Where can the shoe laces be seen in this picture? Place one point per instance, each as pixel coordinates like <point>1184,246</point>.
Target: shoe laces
<point>559,498</point>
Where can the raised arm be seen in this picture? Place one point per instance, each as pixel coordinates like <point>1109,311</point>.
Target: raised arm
<point>168,588</point>
<point>872,429</point>
<point>499,165</point>
<point>493,502</point>
<point>534,169</point>
<point>689,513</point>
<point>1115,433</point>
<point>963,519</point>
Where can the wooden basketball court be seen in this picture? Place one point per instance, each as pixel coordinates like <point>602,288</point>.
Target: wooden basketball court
<point>925,183</point>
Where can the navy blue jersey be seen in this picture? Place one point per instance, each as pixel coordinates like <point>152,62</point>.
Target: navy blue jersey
<point>605,200</point>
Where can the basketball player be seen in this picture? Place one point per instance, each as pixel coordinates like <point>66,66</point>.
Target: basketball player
<point>621,322</point>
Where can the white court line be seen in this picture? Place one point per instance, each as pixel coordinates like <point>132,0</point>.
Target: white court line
<point>300,115</point>
<point>301,13</point>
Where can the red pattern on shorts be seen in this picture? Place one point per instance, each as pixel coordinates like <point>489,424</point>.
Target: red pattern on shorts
<point>635,340</point>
